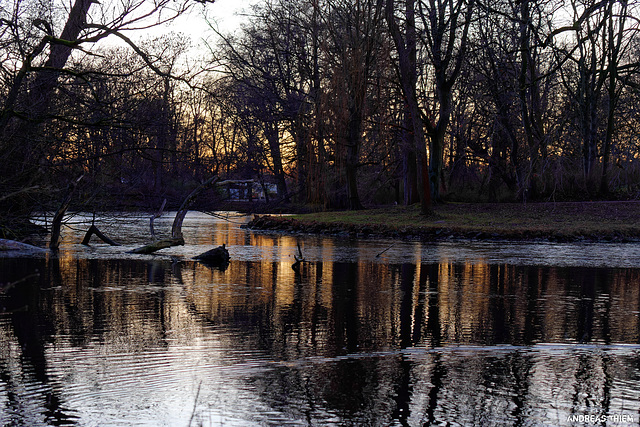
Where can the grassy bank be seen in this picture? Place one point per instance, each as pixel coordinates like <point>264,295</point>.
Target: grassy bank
<point>566,221</point>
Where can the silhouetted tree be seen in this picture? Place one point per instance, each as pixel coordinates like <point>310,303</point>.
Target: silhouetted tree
<point>39,43</point>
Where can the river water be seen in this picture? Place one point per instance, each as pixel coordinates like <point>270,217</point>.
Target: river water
<point>366,333</point>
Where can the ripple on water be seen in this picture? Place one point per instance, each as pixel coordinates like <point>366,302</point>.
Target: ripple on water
<point>373,332</point>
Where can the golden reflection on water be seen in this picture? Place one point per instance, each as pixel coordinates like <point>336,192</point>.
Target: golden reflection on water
<point>364,342</point>
<point>365,305</point>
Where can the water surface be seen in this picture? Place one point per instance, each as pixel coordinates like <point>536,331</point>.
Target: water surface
<point>459,333</point>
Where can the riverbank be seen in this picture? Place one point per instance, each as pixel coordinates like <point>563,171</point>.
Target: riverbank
<point>615,221</point>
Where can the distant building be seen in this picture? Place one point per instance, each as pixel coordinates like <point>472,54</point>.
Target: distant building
<point>248,190</point>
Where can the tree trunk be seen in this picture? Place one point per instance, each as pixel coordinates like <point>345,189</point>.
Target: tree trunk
<point>409,162</point>
<point>300,136</point>
<point>42,90</point>
<point>406,48</point>
<point>437,141</point>
<point>20,144</point>
<point>156,246</point>
<point>162,130</point>
<point>354,128</point>
<point>176,229</point>
<point>272,134</point>
<point>614,47</point>
<point>323,174</point>
<point>56,224</point>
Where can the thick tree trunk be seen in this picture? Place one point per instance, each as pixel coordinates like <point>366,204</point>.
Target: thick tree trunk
<point>406,48</point>
<point>45,82</point>
<point>354,129</point>
<point>410,173</point>
<point>614,46</point>
<point>42,90</point>
<point>273,137</point>
<point>436,154</point>
<point>323,181</point>
<point>21,148</point>
<point>301,139</point>
<point>176,229</point>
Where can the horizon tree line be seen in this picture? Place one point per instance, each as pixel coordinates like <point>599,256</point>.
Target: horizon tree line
<point>340,103</point>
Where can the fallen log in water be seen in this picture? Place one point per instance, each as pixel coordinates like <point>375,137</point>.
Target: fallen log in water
<point>95,230</point>
<point>176,229</point>
<point>157,245</point>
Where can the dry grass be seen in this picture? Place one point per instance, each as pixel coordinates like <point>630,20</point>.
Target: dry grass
<point>599,220</point>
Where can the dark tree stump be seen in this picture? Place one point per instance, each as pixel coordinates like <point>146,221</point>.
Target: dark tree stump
<point>216,257</point>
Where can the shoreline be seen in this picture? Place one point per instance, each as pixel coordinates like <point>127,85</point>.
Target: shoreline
<point>616,222</point>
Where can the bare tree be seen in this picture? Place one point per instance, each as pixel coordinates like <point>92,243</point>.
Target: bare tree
<point>443,33</point>
<point>39,45</point>
<point>598,67</point>
<point>446,24</point>
<point>623,34</point>
<point>353,26</point>
<point>414,151</point>
<point>273,62</point>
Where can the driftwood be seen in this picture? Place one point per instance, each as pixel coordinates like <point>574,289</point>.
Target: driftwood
<point>56,224</point>
<point>157,245</point>
<point>95,230</point>
<point>176,230</point>
<point>378,256</point>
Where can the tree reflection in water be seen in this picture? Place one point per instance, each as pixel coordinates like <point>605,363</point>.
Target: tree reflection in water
<point>99,341</point>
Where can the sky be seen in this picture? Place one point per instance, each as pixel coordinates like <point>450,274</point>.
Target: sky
<point>225,15</point>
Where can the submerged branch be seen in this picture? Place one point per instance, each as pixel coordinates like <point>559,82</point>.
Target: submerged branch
<point>95,230</point>
<point>176,230</point>
<point>299,259</point>
<point>156,246</point>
